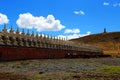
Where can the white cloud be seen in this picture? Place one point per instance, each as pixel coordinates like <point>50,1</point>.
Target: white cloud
<point>3,19</point>
<point>72,31</point>
<point>79,12</point>
<point>27,20</point>
<point>106,3</point>
<point>88,33</point>
<point>116,4</point>
<point>69,36</point>
<point>73,36</point>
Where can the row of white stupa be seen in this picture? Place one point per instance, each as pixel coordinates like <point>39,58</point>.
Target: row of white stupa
<point>11,38</point>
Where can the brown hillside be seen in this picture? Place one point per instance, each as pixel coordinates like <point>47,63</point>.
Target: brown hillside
<point>109,42</point>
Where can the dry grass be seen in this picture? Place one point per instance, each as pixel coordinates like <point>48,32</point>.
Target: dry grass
<point>61,69</point>
<point>109,42</point>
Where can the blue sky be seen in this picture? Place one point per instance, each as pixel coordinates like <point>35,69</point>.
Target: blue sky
<point>65,18</point>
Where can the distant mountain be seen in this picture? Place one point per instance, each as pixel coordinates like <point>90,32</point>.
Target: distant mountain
<point>109,42</point>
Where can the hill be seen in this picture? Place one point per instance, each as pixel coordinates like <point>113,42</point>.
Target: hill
<point>109,42</point>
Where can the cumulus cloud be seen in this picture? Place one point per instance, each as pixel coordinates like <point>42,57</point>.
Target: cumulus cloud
<point>106,3</point>
<point>88,33</point>
<point>116,4</point>
<point>3,19</point>
<point>27,20</point>
<point>68,37</point>
<point>74,35</point>
<point>72,31</point>
<point>79,12</point>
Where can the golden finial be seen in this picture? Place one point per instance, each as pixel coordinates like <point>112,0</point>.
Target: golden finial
<point>4,30</point>
<point>17,31</point>
<point>37,35</point>
<point>23,33</point>
<point>11,30</point>
<point>32,35</point>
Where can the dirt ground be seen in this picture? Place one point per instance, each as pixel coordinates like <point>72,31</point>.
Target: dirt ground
<point>60,69</point>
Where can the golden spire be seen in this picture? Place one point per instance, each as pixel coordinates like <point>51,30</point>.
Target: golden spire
<point>37,36</point>
<point>17,31</point>
<point>23,33</point>
<point>11,30</point>
<point>4,30</point>
<point>32,35</point>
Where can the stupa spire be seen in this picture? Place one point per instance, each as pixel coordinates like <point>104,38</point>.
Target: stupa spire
<point>17,31</point>
<point>4,29</point>
<point>37,35</point>
<point>23,33</point>
<point>11,30</point>
<point>105,30</point>
<point>32,35</point>
<point>28,33</point>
